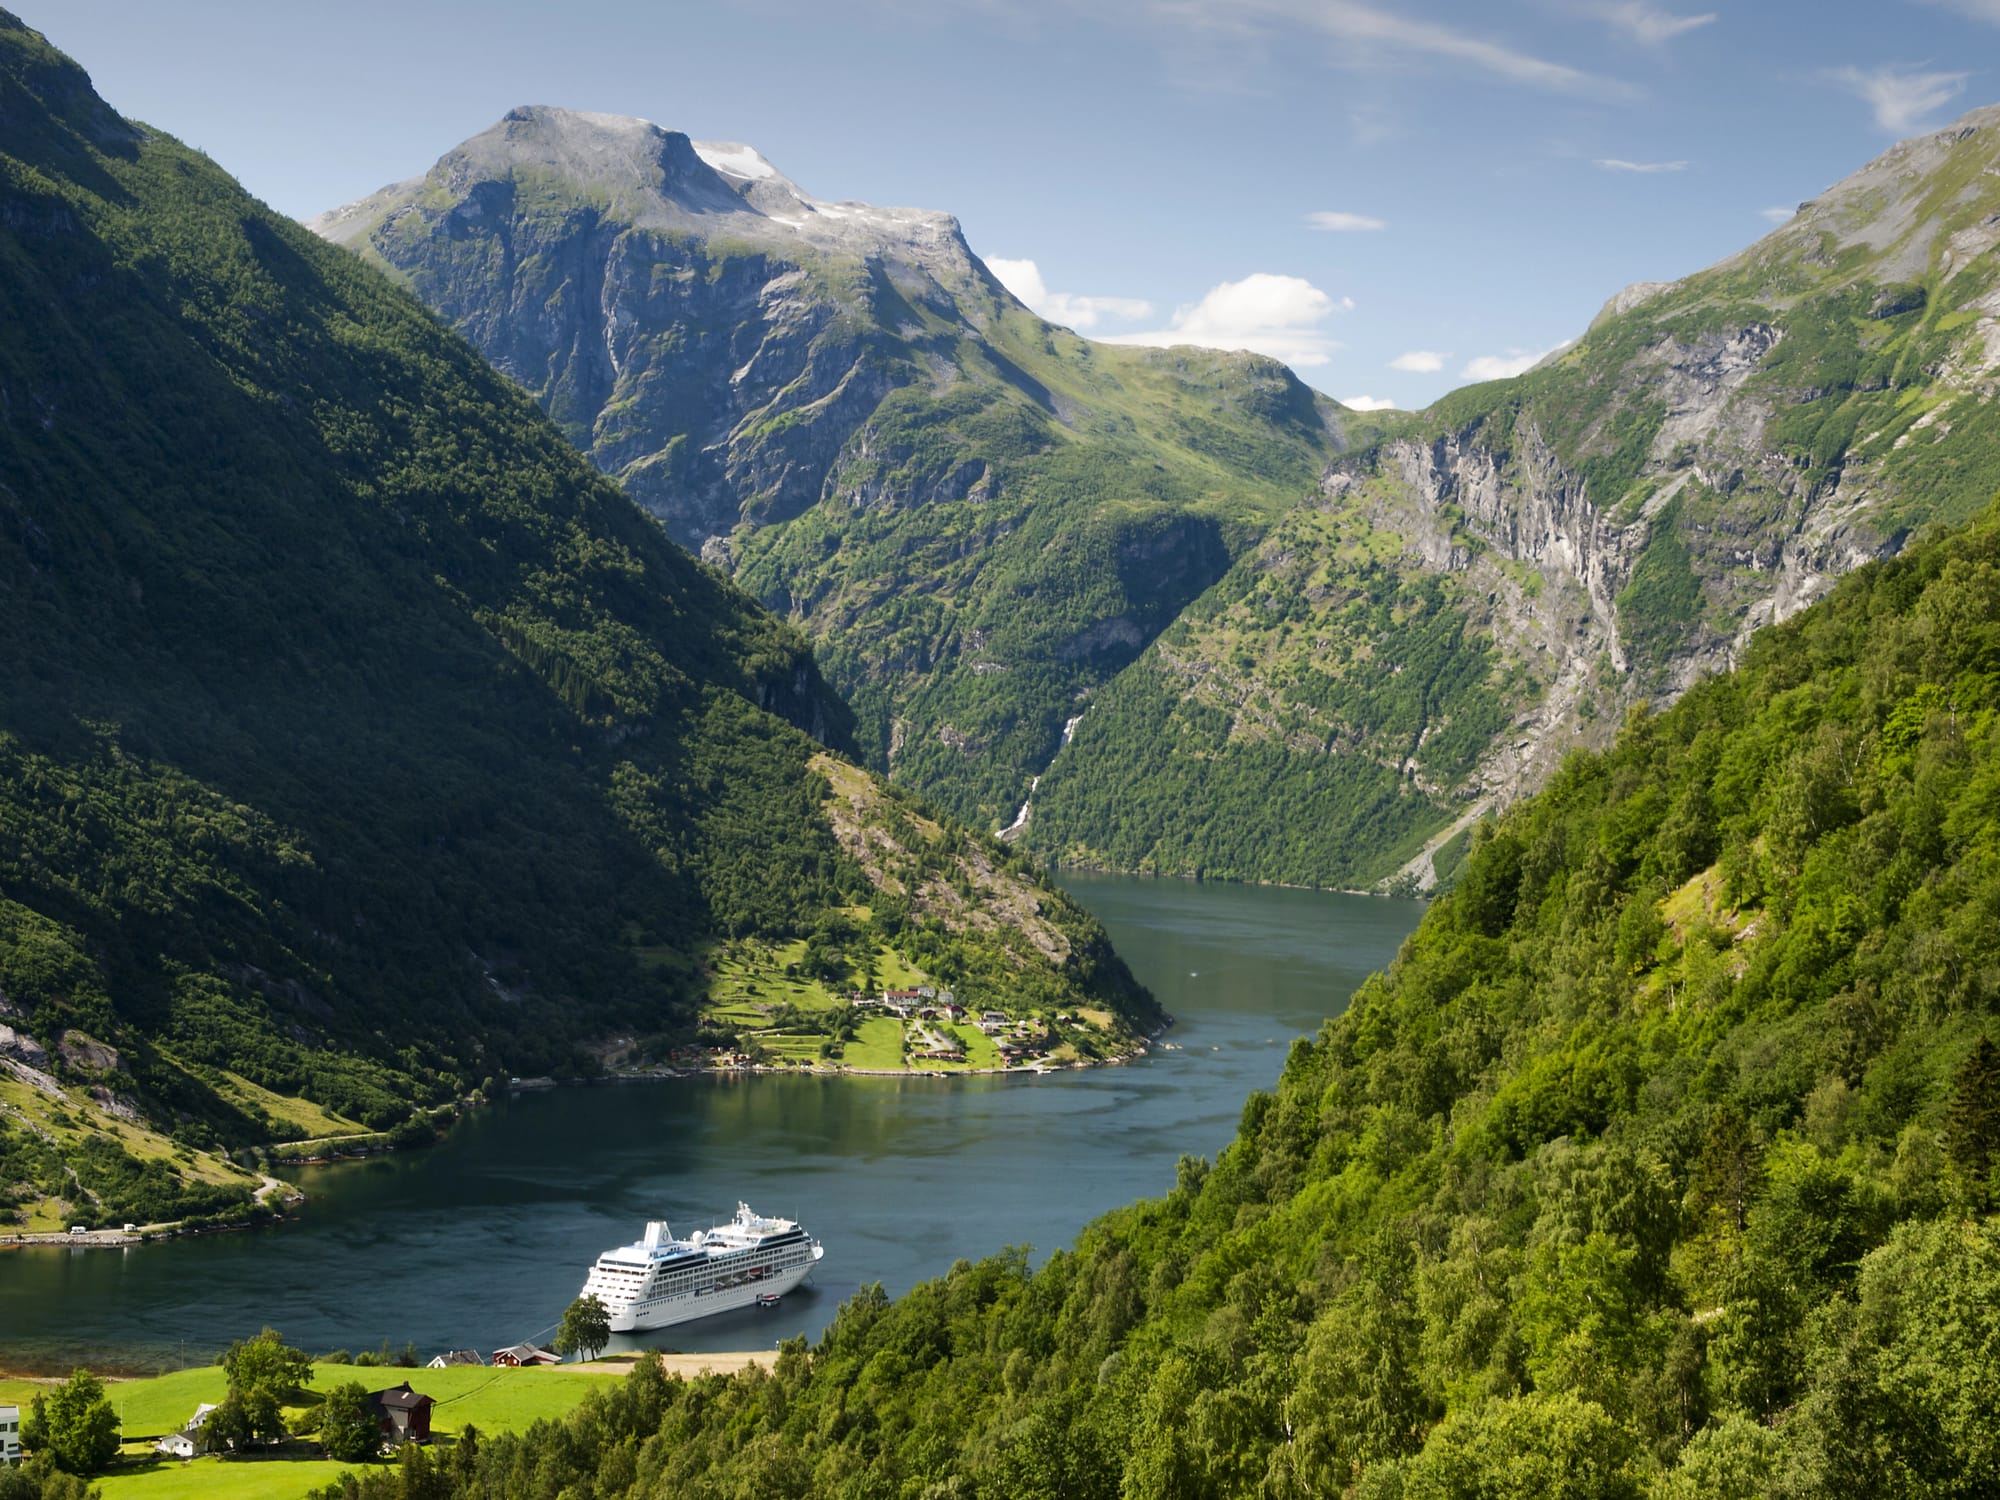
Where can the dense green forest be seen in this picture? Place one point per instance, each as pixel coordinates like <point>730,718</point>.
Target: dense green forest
<point>357,741</point>
<point>1307,721</point>
<point>1661,1162</point>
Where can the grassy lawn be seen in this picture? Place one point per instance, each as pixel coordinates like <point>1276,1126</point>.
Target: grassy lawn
<point>878,1044</point>
<point>980,1050</point>
<point>492,1400</point>
<point>312,1121</point>
<point>222,1479</point>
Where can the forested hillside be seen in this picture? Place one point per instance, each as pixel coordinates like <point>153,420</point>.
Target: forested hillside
<point>1662,1162</point>
<point>978,516</point>
<point>357,741</point>
<point>1299,641</point>
<point>1711,455</point>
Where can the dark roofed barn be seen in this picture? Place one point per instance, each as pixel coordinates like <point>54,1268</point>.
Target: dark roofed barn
<point>405,1414</point>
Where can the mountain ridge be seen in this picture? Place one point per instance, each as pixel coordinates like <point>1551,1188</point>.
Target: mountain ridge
<point>1709,457</point>
<point>358,742</point>
<point>1609,527</point>
<point>842,406</point>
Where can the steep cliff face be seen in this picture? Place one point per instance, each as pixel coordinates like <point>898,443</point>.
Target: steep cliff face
<point>1710,457</point>
<point>980,518</point>
<point>710,334</point>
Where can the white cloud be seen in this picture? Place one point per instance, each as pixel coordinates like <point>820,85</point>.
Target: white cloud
<point>1644,23</point>
<point>1276,315</point>
<point>1899,94</point>
<point>1341,223</point>
<point>1366,30</point>
<point>1618,164</point>
<point>1367,403</point>
<point>1420,361</point>
<point>1024,279</point>
<point>1778,215</point>
<point>1506,366</point>
<point>1977,10</point>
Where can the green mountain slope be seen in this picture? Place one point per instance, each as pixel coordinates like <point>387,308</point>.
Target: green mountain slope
<point>979,518</point>
<point>1608,528</point>
<point>357,741</point>
<point>1293,650</point>
<point>1662,1162</point>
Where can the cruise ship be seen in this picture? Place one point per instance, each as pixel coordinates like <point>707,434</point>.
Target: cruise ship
<point>660,1280</point>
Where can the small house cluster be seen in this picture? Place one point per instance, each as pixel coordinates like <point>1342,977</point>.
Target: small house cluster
<point>519,1355</point>
<point>402,1414</point>
<point>925,1003</point>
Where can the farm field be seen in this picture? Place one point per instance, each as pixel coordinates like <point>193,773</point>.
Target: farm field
<point>493,1400</point>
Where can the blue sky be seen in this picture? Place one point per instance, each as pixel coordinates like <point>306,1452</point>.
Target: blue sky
<point>1393,197</point>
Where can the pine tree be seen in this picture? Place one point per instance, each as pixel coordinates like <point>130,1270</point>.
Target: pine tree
<point>1972,1129</point>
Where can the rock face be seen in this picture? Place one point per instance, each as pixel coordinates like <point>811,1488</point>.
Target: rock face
<point>22,1048</point>
<point>979,516</point>
<point>1709,458</point>
<point>708,332</point>
<point>988,523</point>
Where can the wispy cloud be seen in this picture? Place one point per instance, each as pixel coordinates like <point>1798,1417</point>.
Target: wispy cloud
<point>1619,164</point>
<point>1282,316</point>
<point>1024,279</point>
<point>1778,215</point>
<point>1506,366</point>
<point>1646,24</point>
<point>1420,361</point>
<point>1366,403</point>
<point>1369,30</point>
<point>1977,10</point>
<point>1900,93</point>
<point>1341,223</point>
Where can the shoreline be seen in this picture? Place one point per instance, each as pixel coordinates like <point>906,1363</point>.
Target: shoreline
<point>1141,1047</point>
<point>686,1366</point>
<point>261,1211</point>
<point>1269,885</point>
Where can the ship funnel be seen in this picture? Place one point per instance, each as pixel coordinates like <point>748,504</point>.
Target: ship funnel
<point>657,1233</point>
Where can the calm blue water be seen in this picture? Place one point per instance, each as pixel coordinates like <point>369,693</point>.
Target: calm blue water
<point>484,1239</point>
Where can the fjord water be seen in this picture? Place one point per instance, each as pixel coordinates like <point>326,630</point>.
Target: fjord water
<point>484,1239</point>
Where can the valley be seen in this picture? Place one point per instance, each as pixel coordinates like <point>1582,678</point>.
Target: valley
<point>1335,630</point>
<point>607,684</point>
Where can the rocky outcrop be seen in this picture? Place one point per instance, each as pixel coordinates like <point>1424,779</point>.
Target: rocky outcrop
<point>22,1048</point>
<point>712,335</point>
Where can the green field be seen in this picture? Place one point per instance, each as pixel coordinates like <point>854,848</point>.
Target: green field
<point>493,1400</point>
<point>878,1044</point>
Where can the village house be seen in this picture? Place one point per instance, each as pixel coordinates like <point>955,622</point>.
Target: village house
<point>404,1414</point>
<point>10,1435</point>
<point>451,1357</point>
<point>190,1441</point>
<point>525,1354</point>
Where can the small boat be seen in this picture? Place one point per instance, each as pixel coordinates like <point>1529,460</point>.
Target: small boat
<point>769,1299</point>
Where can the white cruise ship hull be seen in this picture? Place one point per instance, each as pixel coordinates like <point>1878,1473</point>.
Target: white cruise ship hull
<point>664,1311</point>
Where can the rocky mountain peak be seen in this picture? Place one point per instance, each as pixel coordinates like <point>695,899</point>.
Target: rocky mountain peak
<point>647,177</point>
<point>1941,185</point>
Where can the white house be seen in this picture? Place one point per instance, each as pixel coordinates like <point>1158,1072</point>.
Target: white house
<point>10,1435</point>
<point>189,1441</point>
